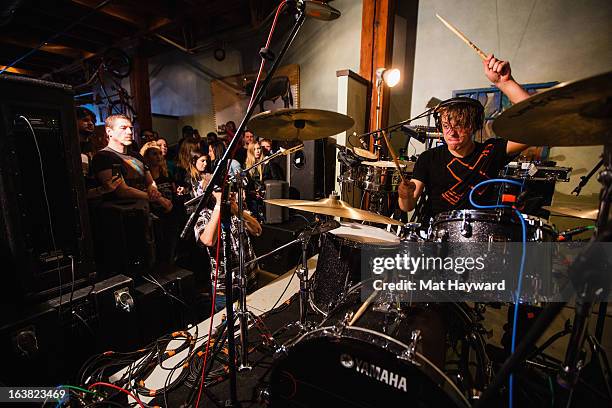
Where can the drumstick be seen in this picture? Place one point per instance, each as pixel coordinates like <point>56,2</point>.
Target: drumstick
<point>393,155</point>
<point>363,308</point>
<point>463,37</point>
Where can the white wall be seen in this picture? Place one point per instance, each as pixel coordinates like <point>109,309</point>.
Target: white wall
<point>563,40</point>
<point>180,86</point>
<point>321,49</point>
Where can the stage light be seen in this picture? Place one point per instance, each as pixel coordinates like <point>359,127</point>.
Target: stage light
<point>391,77</point>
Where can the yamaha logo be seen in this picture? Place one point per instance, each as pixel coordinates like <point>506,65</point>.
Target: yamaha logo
<point>373,371</point>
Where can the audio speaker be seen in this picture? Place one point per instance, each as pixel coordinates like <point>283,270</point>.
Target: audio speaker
<point>44,227</point>
<point>313,170</point>
<point>276,189</point>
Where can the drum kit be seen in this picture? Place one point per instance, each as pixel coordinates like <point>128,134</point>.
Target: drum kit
<point>382,352</point>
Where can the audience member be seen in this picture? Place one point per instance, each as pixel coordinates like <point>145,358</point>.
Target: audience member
<point>215,153</point>
<point>146,136</point>
<point>199,172</point>
<point>114,159</point>
<point>211,137</point>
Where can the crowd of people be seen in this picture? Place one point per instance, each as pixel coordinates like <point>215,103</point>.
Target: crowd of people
<point>120,167</point>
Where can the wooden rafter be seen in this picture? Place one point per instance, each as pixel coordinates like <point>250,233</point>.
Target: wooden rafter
<point>49,47</point>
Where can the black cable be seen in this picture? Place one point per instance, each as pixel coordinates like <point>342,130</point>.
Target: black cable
<point>48,207</point>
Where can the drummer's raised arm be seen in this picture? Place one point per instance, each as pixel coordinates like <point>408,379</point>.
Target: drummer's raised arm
<point>500,74</point>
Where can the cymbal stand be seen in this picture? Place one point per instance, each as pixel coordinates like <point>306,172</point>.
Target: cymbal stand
<point>217,178</point>
<point>581,277</point>
<point>574,356</point>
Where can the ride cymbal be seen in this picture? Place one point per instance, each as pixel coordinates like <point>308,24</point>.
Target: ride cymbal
<point>577,113</point>
<point>299,124</point>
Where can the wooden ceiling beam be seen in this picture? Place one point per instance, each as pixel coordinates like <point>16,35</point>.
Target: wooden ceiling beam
<point>100,23</point>
<point>20,71</point>
<point>117,10</point>
<point>51,48</point>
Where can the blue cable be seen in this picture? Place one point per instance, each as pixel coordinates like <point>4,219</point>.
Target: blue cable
<point>522,268</point>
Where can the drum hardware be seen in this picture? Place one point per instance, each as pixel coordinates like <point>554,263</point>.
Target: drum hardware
<point>583,107</point>
<point>466,227</point>
<point>410,353</point>
<point>585,179</point>
<point>536,171</point>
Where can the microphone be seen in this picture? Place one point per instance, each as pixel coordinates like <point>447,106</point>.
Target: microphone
<point>362,140</point>
<point>421,133</point>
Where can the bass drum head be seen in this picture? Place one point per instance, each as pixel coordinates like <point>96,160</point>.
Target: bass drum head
<point>371,363</point>
<point>326,371</point>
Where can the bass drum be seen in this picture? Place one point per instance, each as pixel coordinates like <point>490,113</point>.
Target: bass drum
<point>424,355</point>
<point>339,262</point>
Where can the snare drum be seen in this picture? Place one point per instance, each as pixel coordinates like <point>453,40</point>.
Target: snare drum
<point>425,355</point>
<point>339,264</point>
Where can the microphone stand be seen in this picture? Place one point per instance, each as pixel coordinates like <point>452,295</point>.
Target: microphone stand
<point>220,173</point>
<point>585,179</point>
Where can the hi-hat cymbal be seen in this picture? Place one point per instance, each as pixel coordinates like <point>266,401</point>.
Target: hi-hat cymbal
<point>300,124</point>
<point>574,211</point>
<point>334,207</point>
<point>575,113</point>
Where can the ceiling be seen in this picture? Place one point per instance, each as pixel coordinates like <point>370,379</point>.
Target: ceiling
<point>71,33</point>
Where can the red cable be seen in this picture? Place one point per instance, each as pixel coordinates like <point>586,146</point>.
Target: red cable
<point>263,60</point>
<point>212,312</point>
<point>118,388</point>
<point>212,306</point>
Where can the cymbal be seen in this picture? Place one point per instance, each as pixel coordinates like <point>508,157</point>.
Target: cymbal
<point>366,154</point>
<point>574,211</point>
<point>301,124</point>
<point>334,207</point>
<point>577,113</point>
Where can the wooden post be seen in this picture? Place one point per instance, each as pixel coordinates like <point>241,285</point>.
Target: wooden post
<point>377,50</point>
<point>140,91</point>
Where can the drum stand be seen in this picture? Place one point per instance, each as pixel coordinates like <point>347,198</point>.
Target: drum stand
<point>218,176</point>
<point>586,286</point>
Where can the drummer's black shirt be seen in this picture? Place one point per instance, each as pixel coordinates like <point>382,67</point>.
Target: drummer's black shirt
<point>448,179</point>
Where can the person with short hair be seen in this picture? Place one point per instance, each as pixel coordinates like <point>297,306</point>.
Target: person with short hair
<point>115,161</point>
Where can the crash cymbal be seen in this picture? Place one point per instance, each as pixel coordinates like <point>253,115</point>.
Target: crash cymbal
<point>334,207</point>
<point>386,164</point>
<point>575,113</point>
<point>366,154</point>
<point>574,211</point>
<point>300,124</point>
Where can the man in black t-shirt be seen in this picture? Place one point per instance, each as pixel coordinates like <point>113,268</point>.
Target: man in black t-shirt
<point>448,173</point>
<point>137,182</point>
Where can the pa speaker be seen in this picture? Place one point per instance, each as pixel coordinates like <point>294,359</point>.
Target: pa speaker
<point>313,170</point>
<point>44,228</point>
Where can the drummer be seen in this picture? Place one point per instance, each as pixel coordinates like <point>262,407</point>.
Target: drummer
<point>447,173</point>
